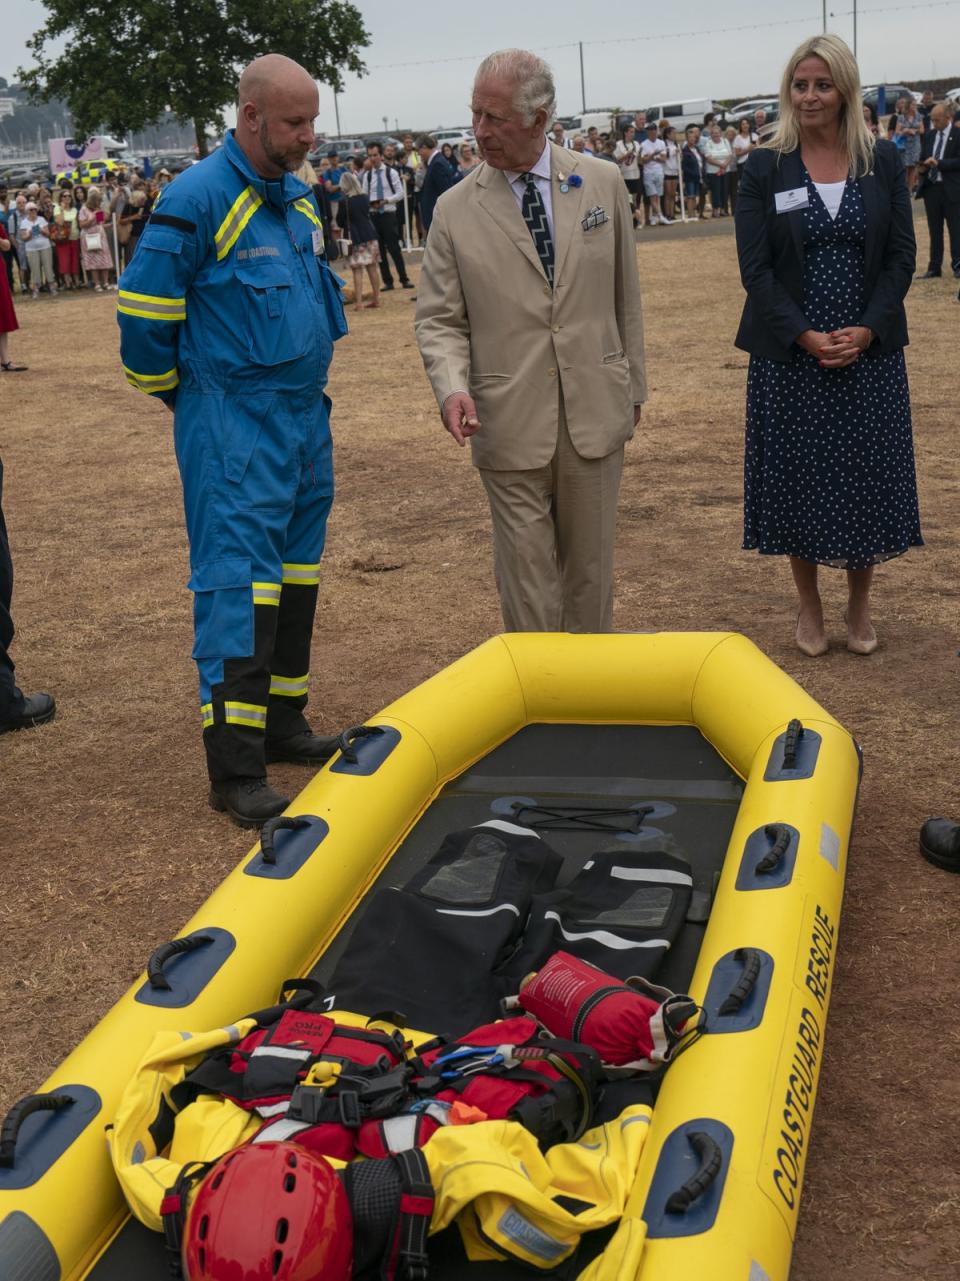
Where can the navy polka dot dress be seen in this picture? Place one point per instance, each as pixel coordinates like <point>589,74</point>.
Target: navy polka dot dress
<point>829,473</point>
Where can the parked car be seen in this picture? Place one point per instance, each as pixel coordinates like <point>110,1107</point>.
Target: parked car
<point>453,136</point>
<point>346,147</point>
<point>688,111</point>
<point>871,95</point>
<point>749,108</point>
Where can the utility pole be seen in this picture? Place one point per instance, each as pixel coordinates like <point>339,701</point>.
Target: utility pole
<point>854,28</point>
<point>824,17</point>
<point>583,90</point>
<point>336,112</point>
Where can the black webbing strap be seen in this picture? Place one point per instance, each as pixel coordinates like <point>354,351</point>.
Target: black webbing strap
<point>173,1212</point>
<point>416,1211</point>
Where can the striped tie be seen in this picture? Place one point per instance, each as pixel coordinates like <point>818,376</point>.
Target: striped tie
<point>535,216</point>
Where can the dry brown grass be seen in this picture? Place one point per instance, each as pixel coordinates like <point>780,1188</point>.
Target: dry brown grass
<point>108,845</point>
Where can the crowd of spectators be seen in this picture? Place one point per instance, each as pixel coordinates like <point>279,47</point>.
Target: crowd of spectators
<point>68,235</point>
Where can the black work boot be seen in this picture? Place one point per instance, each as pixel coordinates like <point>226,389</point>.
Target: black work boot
<point>36,709</point>
<point>302,748</point>
<point>248,801</point>
<point>940,843</point>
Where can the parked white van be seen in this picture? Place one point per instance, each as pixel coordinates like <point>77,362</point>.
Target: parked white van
<point>602,121</point>
<point>690,111</point>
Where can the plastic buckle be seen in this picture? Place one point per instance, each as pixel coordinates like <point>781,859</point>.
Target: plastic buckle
<point>306,1103</point>
<point>348,1101</point>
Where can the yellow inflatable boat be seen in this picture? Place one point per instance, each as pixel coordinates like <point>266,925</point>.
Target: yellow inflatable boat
<point>694,742</point>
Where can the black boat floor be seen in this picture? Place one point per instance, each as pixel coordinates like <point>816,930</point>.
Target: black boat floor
<point>694,796</point>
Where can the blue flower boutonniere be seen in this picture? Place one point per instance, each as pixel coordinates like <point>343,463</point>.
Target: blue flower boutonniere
<point>572,180</point>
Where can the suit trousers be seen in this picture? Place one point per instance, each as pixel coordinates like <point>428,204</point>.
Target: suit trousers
<point>554,529</point>
<point>11,700</point>
<point>388,237</point>
<point>941,210</point>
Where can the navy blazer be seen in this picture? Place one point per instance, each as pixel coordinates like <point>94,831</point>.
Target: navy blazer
<point>949,163</point>
<point>770,248</point>
<point>440,177</point>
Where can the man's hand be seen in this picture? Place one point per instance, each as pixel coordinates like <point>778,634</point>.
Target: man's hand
<point>637,411</point>
<point>459,416</point>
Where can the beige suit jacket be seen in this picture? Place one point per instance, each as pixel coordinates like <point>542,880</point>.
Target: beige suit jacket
<point>488,321</point>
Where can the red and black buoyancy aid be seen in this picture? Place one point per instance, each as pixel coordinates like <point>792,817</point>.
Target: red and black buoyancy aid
<point>341,1090</point>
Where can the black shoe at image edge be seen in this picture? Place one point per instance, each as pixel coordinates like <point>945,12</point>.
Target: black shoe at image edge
<point>940,843</point>
<point>37,709</point>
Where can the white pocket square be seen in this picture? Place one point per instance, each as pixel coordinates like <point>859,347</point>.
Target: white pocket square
<point>596,217</point>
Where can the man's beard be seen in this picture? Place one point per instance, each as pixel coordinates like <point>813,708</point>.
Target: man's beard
<point>289,160</point>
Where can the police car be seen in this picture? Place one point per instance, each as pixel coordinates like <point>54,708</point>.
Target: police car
<point>88,171</point>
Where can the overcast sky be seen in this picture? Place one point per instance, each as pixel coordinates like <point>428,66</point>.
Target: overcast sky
<point>423,54</point>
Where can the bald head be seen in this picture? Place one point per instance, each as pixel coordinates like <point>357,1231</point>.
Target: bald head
<point>277,105</point>
<point>265,76</point>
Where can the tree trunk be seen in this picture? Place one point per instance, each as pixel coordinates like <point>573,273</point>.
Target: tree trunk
<point>201,131</point>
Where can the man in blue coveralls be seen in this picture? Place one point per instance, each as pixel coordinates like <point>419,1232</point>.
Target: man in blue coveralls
<point>228,314</point>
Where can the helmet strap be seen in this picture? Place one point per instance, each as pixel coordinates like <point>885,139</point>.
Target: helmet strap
<point>173,1212</point>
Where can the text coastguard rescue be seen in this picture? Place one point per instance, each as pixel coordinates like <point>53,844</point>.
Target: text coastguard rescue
<point>228,314</point>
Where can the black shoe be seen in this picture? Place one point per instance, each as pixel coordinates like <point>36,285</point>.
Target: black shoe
<point>940,843</point>
<point>385,289</point>
<point>37,709</point>
<point>248,801</point>
<point>407,284</point>
<point>304,748</point>
<point>929,275</point>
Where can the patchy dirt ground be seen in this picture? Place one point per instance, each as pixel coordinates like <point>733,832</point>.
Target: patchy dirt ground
<point>107,842</point>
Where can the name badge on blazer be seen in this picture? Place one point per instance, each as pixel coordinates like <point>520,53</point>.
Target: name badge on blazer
<point>795,198</point>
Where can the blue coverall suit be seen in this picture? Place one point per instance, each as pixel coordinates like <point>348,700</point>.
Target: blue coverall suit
<point>228,313</point>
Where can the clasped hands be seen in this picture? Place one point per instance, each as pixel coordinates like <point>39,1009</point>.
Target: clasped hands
<point>839,348</point>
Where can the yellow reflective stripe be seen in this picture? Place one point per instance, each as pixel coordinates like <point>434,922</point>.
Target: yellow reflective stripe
<point>151,308</point>
<point>302,575</point>
<point>206,711</point>
<point>306,209</point>
<point>266,593</point>
<point>252,714</point>
<point>290,686</point>
<point>241,211</point>
<point>152,383</point>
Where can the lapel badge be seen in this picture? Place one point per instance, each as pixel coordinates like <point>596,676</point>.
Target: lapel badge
<point>596,217</point>
<point>567,181</point>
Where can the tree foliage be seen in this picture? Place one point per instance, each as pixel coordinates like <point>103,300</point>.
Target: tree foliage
<point>126,62</point>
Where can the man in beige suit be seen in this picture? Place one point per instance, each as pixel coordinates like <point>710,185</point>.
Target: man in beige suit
<point>530,328</point>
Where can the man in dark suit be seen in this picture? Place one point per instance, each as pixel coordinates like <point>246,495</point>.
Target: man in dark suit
<point>940,186</point>
<point>439,178</point>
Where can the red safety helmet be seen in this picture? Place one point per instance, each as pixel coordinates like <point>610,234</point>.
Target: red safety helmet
<point>269,1212</point>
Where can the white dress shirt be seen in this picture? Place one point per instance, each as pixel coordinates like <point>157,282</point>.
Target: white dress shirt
<point>541,177</point>
<point>939,147</point>
<point>392,187</point>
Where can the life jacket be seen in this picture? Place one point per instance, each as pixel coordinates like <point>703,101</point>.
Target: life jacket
<point>341,1090</point>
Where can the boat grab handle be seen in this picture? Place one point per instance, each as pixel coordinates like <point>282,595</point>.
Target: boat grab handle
<point>19,1113</point>
<point>269,830</point>
<point>166,952</point>
<point>781,836</point>
<point>752,964</point>
<point>791,744</point>
<point>345,741</point>
<point>711,1162</point>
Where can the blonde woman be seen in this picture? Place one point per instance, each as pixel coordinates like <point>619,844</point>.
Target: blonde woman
<point>94,244</point>
<point>355,222</point>
<point>827,252</point>
<point>68,247</point>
